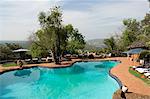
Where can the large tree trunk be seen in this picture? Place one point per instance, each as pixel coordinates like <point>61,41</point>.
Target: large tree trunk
<point>55,56</point>
<point>57,50</point>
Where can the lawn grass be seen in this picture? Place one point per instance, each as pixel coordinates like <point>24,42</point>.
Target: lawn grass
<point>9,64</point>
<point>138,75</point>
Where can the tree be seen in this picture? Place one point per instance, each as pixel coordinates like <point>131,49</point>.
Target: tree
<point>132,29</point>
<point>75,39</point>
<point>145,28</point>
<point>38,51</point>
<point>110,43</point>
<point>13,46</point>
<point>54,36</point>
<point>6,50</point>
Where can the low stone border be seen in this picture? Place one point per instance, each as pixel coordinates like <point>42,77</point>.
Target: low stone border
<point>116,78</point>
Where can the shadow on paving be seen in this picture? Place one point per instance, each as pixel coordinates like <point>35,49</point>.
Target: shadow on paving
<point>129,95</point>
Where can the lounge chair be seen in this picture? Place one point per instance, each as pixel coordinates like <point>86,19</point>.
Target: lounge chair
<point>35,60</point>
<point>27,61</point>
<point>142,70</point>
<point>147,74</point>
<point>43,60</point>
<point>134,67</point>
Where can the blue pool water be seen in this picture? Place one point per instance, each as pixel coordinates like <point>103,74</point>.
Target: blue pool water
<point>83,80</point>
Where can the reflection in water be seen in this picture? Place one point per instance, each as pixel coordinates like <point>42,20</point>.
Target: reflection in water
<point>105,65</point>
<point>77,69</point>
<point>22,73</point>
<point>100,66</point>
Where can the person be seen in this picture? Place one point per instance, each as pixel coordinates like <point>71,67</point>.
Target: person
<point>124,89</point>
<point>20,63</point>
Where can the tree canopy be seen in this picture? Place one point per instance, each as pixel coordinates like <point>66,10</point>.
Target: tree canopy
<point>6,50</point>
<point>134,31</point>
<point>110,43</point>
<point>54,36</point>
<point>75,40</point>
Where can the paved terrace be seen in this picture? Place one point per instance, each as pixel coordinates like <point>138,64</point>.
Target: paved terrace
<point>134,84</point>
<point>49,65</point>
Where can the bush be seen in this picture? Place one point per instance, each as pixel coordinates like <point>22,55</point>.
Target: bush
<point>144,54</point>
<point>91,56</point>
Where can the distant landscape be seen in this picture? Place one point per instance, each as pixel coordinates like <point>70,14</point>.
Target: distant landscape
<point>24,44</point>
<point>90,44</point>
<point>96,42</point>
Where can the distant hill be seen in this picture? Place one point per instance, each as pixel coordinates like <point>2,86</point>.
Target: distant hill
<point>24,44</point>
<point>90,44</point>
<point>95,43</point>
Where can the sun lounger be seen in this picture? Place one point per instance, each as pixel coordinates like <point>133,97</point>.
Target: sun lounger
<point>134,67</point>
<point>147,74</point>
<point>35,60</point>
<point>142,70</point>
<point>27,61</point>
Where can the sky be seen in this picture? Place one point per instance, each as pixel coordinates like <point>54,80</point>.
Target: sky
<point>94,18</point>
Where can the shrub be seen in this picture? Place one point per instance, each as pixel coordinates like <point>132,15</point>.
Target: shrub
<point>91,56</point>
<point>144,54</point>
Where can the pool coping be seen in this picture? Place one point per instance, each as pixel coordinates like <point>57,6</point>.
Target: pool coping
<point>39,65</point>
<point>116,78</point>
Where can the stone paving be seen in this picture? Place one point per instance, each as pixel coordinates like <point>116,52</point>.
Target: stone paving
<point>134,84</point>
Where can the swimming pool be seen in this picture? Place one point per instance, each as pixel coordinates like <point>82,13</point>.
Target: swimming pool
<point>83,80</point>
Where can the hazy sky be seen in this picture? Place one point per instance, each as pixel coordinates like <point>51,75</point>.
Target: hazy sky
<point>93,18</point>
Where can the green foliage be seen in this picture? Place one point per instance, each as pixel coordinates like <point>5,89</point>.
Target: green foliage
<point>13,46</point>
<point>145,28</point>
<point>143,54</point>
<point>148,44</point>
<point>110,43</point>
<point>134,31</point>
<point>6,50</point>
<point>54,36</point>
<point>38,51</point>
<point>75,39</point>
<point>104,50</point>
<point>9,64</point>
